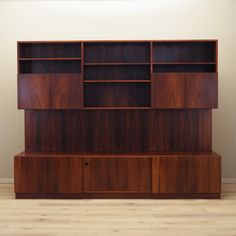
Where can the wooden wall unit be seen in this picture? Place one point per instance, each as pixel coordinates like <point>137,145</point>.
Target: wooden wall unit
<point>118,119</point>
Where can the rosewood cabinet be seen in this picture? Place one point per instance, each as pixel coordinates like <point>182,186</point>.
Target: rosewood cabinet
<point>118,119</point>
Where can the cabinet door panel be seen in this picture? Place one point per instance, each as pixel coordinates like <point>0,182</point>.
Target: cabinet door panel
<point>117,174</point>
<point>184,90</point>
<point>48,174</point>
<point>50,91</point>
<point>189,174</point>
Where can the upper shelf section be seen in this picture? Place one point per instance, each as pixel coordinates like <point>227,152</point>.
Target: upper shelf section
<point>116,52</point>
<point>49,50</point>
<point>184,56</point>
<point>117,74</point>
<point>45,57</point>
<point>184,52</point>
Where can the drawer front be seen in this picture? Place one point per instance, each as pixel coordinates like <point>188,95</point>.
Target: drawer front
<point>49,91</point>
<point>48,174</point>
<point>113,174</point>
<point>190,174</point>
<point>184,90</point>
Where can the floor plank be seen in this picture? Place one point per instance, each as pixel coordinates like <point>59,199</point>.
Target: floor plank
<point>117,217</point>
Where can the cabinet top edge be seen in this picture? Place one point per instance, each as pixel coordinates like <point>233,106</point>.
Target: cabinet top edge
<point>113,154</point>
<point>117,41</point>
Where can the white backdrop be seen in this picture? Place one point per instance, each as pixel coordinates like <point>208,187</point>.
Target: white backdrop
<point>144,19</point>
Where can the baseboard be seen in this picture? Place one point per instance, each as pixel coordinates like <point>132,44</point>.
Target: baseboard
<point>228,181</point>
<point>223,181</point>
<point>6,180</point>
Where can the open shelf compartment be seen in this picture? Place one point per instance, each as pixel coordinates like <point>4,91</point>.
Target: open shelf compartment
<point>57,66</point>
<point>184,51</point>
<point>103,52</point>
<point>49,50</point>
<point>117,72</point>
<point>116,95</point>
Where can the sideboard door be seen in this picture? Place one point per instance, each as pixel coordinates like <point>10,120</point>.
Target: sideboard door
<point>117,174</point>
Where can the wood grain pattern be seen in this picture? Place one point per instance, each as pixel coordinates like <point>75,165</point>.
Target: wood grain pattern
<point>125,217</point>
<point>122,131</point>
<point>184,90</point>
<point>214,174</point>
<point>118,119</point>
<point>117,174</point>
<point>48,174</point>
<point>156,174</point>
<point>189,174</point>
<point>50,91</point>
<point>171,175</point>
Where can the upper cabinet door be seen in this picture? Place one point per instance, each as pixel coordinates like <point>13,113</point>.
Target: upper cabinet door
<point>184,90</point>
<point>50,75</point>
<point>50,91</point>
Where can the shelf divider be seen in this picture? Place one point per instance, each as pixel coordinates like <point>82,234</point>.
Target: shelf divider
<point>51,59</point>
<point>117,81</point>
<point>115,63</point>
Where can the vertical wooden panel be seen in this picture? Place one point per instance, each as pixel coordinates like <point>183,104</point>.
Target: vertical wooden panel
<point>50,91</point>
<point>184,174</point>
<point>48,174</point>
<point>129,131</point>
<point>214,174</point>
<point>117,174</point>
<point>201,91</point>
<point>168,90</point>
<point>184,90</point>
<point>156,174</point>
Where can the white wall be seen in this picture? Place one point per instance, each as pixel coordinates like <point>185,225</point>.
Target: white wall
<point>146,19</point>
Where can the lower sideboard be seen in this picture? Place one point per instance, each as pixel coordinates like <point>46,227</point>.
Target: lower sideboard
<point>142,175</point>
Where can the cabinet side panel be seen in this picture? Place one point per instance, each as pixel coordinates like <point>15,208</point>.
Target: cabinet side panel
<point>215,174</point>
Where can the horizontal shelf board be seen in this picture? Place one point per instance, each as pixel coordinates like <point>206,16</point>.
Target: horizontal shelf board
<point>115,63</point>
<point>34,75</point>
<point>116,108</point>
<point>117,81</point>
<point>113,154</point>
<point>185,72</point>
<point>184,63</point>
<point>51,59</point>
<point>119,40</point>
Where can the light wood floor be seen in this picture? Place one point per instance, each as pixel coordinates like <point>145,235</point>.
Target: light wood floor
<point>118,217</point>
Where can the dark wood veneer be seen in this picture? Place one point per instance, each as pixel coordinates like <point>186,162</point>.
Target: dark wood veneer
<point>185,90</point>
<point>116,174</point>
<point>48,175</point>
<point>47,91</point>
<point>118,119</point>
<point>118,131</point>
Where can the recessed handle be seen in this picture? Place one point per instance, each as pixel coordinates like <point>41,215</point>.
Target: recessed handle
<point>86,163</point>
